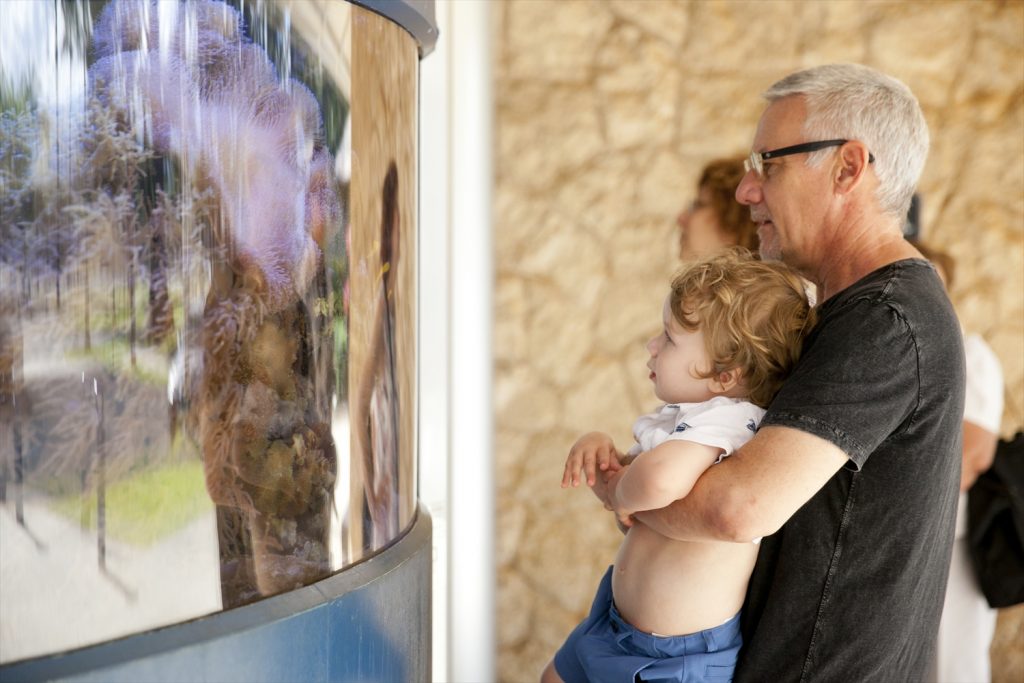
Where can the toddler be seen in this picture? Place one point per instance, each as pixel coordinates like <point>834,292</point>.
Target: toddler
<point>668,610</point>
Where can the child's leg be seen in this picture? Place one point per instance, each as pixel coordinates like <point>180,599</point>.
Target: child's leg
<point>550,675</point>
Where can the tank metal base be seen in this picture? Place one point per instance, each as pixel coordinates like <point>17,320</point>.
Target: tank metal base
<point>369,622</point>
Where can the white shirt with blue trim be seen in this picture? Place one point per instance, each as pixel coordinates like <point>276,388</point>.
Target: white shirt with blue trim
<point>720,422</point>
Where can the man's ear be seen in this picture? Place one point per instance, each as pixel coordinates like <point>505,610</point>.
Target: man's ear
<point>725,381</point>
<point>851,165</point>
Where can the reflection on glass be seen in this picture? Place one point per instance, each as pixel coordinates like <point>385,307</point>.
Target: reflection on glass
<point>381,235</point>
<point>202,229</point>
<point>375,402</point>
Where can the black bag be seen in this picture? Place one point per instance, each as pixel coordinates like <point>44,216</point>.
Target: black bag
<point>995,525</point>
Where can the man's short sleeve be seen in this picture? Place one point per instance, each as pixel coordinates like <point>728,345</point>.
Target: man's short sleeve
<point>857,381</point>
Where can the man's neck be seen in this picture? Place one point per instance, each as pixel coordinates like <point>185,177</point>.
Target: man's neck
<point>861,247</point>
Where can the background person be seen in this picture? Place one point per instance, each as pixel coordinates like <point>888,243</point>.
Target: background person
<point>715,219</point>
<point>968,623</point>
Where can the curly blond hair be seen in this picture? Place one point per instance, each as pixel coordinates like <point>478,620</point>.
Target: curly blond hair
<point>754,315</point>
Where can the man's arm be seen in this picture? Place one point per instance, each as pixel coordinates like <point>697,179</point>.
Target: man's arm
<point>754,491</point>
<point>979,452</point>
<point>660,476</point>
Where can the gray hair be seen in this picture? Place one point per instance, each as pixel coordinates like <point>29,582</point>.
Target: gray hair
<point>855,102</point>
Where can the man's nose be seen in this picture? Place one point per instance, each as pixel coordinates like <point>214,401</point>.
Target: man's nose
<point>749,190</point>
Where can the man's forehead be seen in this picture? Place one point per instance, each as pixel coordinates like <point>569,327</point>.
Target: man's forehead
<point>781,122</point>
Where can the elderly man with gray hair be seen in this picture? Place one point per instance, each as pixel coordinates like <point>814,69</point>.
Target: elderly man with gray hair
<point>853,475</point>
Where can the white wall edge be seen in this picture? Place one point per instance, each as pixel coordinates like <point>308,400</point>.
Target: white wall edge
<point>472,641</point>
<point>455,351</point>
<point>434,291</point>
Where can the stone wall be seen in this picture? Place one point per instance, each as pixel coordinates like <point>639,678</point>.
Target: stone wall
<point>606,112</point>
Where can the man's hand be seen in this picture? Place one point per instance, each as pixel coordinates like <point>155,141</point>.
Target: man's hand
<point>593,452</point>
<point>623,517</point>
<point>604,489</point>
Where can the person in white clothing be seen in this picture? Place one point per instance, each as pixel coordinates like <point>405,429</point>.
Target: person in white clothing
<point>968,623</point>
<point>733,328</point>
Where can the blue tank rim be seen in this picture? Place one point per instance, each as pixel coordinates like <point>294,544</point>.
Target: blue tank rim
<point>81,661</point>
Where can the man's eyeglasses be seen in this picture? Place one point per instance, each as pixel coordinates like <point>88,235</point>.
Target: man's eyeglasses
<point>755,162</point>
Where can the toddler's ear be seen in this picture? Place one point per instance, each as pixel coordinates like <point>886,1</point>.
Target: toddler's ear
<point>725,381</point>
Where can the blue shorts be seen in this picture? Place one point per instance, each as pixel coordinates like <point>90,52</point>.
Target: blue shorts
<point>606,649</point>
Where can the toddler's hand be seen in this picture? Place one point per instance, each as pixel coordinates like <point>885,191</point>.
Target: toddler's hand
<point>592,452</point>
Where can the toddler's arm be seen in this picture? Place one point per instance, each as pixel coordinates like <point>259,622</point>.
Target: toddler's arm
<point>660,476</point>
<point>593,451</point>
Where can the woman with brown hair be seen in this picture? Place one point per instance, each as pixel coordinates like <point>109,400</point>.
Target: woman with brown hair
<point>715,219</point>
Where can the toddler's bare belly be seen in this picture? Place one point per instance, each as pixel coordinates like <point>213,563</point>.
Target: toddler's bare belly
<point>671,587</point>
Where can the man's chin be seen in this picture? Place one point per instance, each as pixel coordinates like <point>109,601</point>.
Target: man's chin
<point>769,252</point>
<point>768,245</point>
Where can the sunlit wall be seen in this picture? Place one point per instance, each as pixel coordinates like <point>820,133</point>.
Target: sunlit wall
<point>606,112</point>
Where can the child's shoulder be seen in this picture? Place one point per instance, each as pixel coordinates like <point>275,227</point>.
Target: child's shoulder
<point>724,405</point>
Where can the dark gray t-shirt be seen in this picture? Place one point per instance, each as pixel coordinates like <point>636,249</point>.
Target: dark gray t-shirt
<point>851,587</point>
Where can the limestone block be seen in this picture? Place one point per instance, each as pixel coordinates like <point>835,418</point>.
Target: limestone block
<point>666,21</point>
<point>646,253</point>
<point>626,131</point>
<point>991,78</point>
<point>589,540</point>
<point>511,343</point>
<point>631,62</point>
<point>512,594</point>
<point>1001,23</point>
<point>524,401</point>
<point>922,48</point>
<point>835,31</point>
<point>943,168</point>
<point>641,390</point>
<point>636,73</point>
<point>511,520</point>
<point>668,184</point>
<point>539,483</point>
<point>994,154</point>
<point>630,306</point>
<point>561,251</point>
<point>561,337</point>
<point>719,113</point>
<point>564,118</point>
<point>603,195</point>
<point>978,222</point>
<point>757,36</point>
<point>603,401</point>
<point>553,40</point>
<point>515,214</point>
<point>549,624</point>
<point>851,48</point>
<point>513,454</point>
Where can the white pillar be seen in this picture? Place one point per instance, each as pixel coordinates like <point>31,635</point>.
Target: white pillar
<point>471,477</point>
<point>434,291</point>
<point>456,285</point>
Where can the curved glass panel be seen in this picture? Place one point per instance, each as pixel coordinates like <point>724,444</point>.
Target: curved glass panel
<point>207,331</point>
